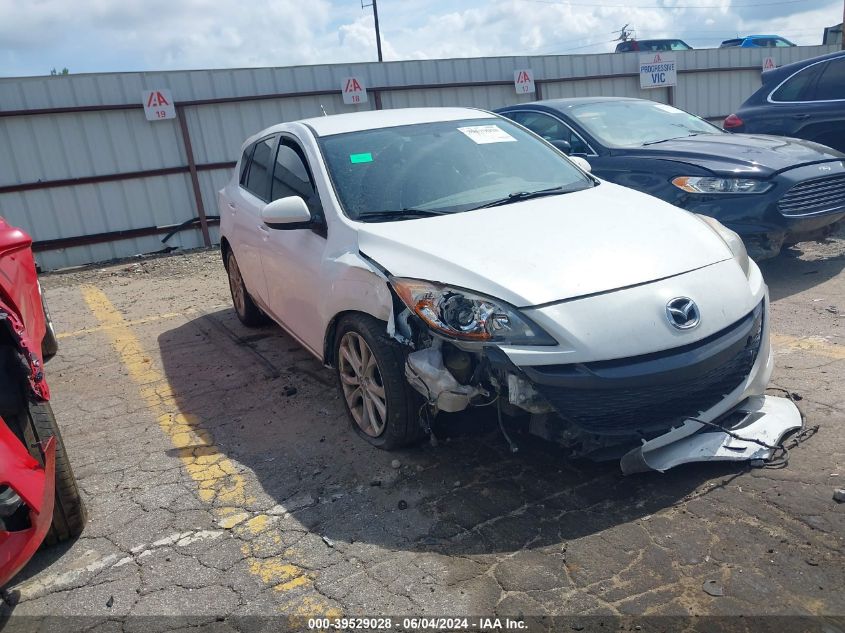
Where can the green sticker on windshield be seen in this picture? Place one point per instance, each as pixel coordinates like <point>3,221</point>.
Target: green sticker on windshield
<point>361,158</point>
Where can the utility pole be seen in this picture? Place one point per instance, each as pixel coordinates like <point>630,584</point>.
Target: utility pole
<point>374,5</point>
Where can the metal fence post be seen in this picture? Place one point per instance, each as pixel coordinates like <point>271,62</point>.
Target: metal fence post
<point>192,168</point>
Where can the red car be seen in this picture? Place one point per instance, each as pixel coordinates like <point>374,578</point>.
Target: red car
<point>39,498</point>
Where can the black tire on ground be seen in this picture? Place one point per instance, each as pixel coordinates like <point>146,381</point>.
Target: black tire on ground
<point>50,344</point>
<point>403,403</point>
<point>246,309</point>
<point>38,424</point>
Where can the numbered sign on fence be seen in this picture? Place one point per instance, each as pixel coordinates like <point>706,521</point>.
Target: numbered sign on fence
<point>158,105</point>
<point>354,91</point>
<point>523,81</point>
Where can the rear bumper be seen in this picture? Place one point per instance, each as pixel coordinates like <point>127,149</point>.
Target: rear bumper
<point>36,488</point>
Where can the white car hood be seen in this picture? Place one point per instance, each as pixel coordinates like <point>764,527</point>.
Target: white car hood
<point>548,249</point>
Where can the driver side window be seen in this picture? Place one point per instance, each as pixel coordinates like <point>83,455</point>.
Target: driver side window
<point>551,129</point>
<point>291,177</point>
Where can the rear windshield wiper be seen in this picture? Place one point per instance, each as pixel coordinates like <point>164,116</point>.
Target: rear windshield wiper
<point>518,196</point>
<point>404,214</point>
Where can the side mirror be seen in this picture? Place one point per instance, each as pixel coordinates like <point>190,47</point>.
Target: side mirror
<point>562,145</point>
<point>583,163</point>
<point>287,213</point>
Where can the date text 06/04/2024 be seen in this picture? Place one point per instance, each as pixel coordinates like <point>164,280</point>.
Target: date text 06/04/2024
<point>416,624</point>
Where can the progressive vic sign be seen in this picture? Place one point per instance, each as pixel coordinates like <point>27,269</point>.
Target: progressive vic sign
<point>658,70</point>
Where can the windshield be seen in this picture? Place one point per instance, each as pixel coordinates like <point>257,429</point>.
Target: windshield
<point>638,122</point>
<point>443,167</point>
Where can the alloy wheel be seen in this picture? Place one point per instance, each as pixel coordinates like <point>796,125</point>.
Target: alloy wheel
<point>236,285</point>
<point>362,384</point>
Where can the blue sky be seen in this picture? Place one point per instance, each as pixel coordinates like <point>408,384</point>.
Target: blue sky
<point>131,35</point>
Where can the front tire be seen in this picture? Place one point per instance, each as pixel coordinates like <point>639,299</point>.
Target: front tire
<point>50,343</point>
<point>246,309</point>
<point>38,424</point>
<point>382,407</point>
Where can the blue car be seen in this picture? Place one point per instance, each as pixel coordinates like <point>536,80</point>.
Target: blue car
<point>805,100</point>
<point>771,190</point>
<point>757,41</point>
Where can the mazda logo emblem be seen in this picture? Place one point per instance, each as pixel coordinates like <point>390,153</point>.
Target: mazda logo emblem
<point>682,313</point>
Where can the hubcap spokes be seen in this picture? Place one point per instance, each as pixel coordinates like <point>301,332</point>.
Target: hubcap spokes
<point>362,384</point>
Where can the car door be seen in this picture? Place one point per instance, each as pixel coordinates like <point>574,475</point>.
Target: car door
<point>552,129</point>
<point>292,258</point>
<point>245,205</point>
<point>787,112</point>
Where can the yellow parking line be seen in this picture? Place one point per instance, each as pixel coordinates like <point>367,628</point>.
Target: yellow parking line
<point>125,322</point>
<point>217,477</point>
<point>817,345</point>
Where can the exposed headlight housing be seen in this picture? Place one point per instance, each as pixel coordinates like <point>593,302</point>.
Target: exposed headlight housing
<point>706,184</point>
<point>467,316</point>
<point>732,239</point>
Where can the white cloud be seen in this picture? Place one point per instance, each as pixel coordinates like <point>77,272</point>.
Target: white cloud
<point>106,35</point>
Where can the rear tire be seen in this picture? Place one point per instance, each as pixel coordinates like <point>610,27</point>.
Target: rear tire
<point>382,407</point>
<point>38,424</point>
<point>246,309</point>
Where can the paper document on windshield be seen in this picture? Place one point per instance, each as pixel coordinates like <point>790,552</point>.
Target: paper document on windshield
<point>483,134</point>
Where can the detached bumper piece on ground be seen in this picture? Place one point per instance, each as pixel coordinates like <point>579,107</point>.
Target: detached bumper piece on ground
<point>27,492</point>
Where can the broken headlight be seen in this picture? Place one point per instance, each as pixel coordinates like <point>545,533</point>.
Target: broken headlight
<point>467,316</point>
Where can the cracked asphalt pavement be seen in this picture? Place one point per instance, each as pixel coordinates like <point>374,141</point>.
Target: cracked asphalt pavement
<point>222,480</point>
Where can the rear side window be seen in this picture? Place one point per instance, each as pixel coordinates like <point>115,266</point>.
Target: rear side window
<point>799,86</point>
<point>624,47</point>
<point>730,43</point>
<point>257,179</point>
<point>831,84</point>
<point>245,164</point>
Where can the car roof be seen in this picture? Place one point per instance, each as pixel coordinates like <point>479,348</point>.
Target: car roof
<point>563,104</point>
<point>375,119</point>
<point>781,73</point>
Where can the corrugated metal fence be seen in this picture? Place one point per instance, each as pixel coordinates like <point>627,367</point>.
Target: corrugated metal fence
<point>91,179</point>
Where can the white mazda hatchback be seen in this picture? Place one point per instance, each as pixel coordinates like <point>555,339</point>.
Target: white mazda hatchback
<point>446,258</point>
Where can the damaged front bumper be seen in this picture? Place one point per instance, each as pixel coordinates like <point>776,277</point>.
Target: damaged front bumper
<point>751,432</point>
<point>700,402</point>
<point>29,490</point>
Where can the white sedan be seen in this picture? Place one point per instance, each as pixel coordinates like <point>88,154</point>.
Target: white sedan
<point>446,258</point>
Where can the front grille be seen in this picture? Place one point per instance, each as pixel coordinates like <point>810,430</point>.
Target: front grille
<point>819,195</point>
<point>620,398</point>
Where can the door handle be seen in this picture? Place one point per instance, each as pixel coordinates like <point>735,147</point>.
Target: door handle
<point>801,116</point>
<point>232,207</point>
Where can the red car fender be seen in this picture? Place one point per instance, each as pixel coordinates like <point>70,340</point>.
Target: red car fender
<point>21,311</point>
<point>36,487</point>
<point>32,355</point>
